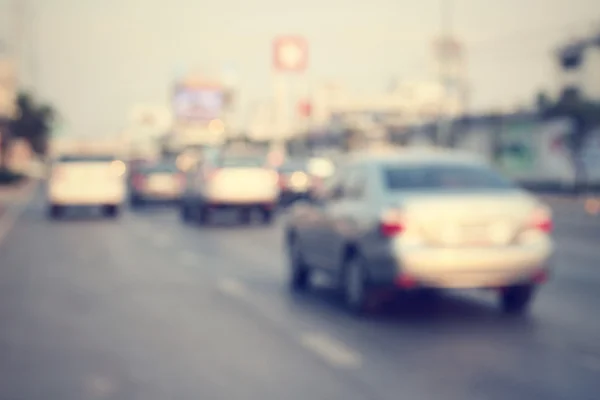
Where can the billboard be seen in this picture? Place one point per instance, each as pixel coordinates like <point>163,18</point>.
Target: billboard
<point>197,103</point>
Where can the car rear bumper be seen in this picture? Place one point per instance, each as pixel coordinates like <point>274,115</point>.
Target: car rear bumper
<point>473,268</point>
<point>464,268</point>
<point>76,198</point>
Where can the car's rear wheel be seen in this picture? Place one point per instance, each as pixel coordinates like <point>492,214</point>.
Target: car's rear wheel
<point>135,202</point>
<point>516,299</point>
<point>244,216</point>
<point>55,212</point>
<point>267,217</point>
<point>185,212</point>
<point>299,278</point>
<point>111,211</point>
<point>355,286</point>
<point>203,215</point>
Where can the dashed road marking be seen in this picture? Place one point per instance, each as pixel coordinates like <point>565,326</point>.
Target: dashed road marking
<point>232,288</point>
<point>333,351</point>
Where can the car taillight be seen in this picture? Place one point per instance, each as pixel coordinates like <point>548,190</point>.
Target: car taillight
<point>281,181</point>
<point>138,181</point>
<point>391,224</point>
<point>541,220</point>
<point>211,174</point>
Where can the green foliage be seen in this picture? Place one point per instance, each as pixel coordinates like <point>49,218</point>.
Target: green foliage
<point>584,113</point>
<point>33,123</point>
<point>8,177</point>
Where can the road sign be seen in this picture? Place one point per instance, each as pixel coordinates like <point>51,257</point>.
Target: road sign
<point>290,54</point>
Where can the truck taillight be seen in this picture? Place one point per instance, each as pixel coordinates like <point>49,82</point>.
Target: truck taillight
<point>541,220</point>
<point>391,224</point>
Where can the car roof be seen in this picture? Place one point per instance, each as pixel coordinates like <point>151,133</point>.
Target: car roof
<point>418,156</point>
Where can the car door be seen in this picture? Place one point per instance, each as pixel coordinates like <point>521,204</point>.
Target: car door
<point>340,220</point>
<point>314,241</point>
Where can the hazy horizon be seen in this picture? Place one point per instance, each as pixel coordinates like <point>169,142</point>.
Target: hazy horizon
<point>96,60</point>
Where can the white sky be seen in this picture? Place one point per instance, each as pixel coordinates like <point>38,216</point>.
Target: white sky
<point>97,58</point>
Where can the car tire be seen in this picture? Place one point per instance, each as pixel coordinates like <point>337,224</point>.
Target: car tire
<point>299,271</point>
<point>244,216</point>
<point>185,212</point>
<point>203,215</point>
<point>135,202</point>
<point>55,212</point>
<point>111,211</point>
<point>515,300</point>
<point>267,217</point>
<point>355,286</point>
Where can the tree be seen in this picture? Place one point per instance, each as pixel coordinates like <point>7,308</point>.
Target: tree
<point>585,116</point>
<point>33,123</point>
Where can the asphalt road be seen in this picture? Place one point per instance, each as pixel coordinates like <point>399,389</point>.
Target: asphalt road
<point>147,308</point>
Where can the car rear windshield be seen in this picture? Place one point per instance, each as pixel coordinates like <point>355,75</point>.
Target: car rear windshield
<point>161,168</point>
<point>241,162</point>
<point>86,158</point>
<point>443,177</point>
<point>293,166</point>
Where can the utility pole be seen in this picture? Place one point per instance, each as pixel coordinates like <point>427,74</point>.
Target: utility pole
<point>444,66</point>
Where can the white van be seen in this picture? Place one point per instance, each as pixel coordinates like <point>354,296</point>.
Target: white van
<point>87,180</point>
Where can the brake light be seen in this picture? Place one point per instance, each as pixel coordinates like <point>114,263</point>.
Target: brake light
<point>391,223</point>
<point>541,220</point>
<point>211,174</point>
<point>138,181</point>
<point>180,179</point>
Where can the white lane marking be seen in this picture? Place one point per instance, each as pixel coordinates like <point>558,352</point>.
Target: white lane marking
<point>188,258</point>
<point>333,351</point>
<point>12,213</point>
<point>232,287</point>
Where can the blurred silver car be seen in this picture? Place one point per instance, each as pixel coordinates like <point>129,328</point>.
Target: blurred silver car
<point>157,181</point>
<point>242,182</point>
<point>421,219</point>
<point>86,179</point>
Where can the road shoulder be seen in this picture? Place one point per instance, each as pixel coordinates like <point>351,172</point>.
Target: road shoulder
<point>13,200</point>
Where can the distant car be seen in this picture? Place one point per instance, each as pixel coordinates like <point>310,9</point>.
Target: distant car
<point>422,220</point>
<point>159,181</point>
<point>295,181</point>
<point>240,182</point>
<point>87,180</point>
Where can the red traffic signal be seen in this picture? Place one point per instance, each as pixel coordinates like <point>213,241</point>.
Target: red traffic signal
<point>305,109</point>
